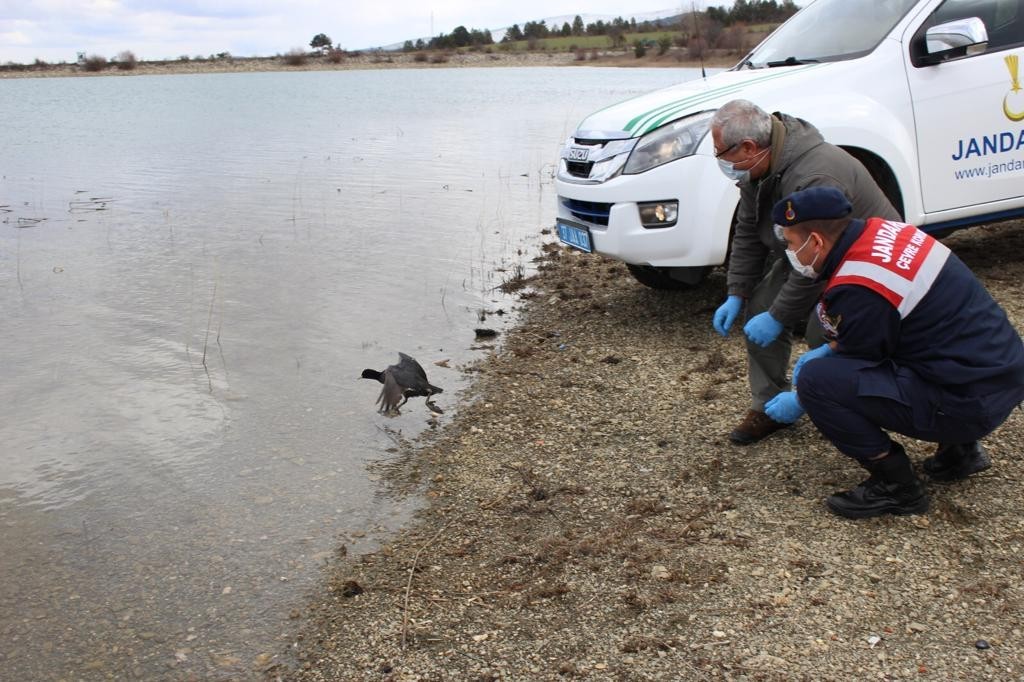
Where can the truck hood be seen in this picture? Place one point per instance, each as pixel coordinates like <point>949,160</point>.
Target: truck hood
<point>640,115</point>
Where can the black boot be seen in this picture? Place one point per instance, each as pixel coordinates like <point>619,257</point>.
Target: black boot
<point>956,462</point>
<point>892,488</point>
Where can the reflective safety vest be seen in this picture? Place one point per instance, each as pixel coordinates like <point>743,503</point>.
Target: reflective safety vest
<point>895,260</point>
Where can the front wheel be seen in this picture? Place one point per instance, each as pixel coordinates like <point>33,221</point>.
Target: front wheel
<point>669,279</point>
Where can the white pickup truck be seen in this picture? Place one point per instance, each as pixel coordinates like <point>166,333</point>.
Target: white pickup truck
<point>926,93</point>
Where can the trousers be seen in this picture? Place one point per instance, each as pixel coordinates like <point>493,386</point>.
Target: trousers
<point>767,367</point>
<point>855,402</point>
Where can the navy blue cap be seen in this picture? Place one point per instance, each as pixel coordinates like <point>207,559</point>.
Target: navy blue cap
<point>813,203</point>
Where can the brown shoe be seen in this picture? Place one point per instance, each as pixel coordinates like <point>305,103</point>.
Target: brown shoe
<point>754,427</point>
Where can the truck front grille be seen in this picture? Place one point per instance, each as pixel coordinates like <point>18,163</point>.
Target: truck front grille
<point>579,169</point>
<point>588,211</point>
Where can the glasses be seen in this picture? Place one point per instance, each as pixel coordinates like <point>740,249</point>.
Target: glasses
<point>725,151</point>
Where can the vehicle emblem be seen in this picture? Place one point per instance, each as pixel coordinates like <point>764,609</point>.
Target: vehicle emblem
<point>1012,62</point>
<point>578,154</point>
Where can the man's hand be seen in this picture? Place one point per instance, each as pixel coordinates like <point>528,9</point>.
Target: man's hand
<point>727,314</point>
<point>784,408</point>
<point>763,329</point>
<point>822,351</point>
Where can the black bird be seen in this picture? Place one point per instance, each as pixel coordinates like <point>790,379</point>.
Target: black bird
<point>401,382</point>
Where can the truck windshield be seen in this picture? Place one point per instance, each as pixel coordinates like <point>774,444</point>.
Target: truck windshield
<point>829,30</point>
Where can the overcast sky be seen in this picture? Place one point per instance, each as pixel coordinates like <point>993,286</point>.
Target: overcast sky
<point>56,30</point>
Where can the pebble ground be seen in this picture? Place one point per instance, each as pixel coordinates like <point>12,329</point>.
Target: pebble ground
<point>589,519</point>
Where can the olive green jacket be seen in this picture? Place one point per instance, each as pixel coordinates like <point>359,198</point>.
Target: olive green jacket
<point>799,158</point>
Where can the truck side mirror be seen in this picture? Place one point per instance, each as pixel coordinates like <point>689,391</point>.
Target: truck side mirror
<point>954,39</point>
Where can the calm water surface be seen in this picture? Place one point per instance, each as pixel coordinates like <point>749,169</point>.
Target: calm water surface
<point>193,272</point>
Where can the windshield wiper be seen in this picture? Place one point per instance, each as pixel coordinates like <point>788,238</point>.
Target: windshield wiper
<point>792,61</point>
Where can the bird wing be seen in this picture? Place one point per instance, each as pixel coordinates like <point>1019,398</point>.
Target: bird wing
<point>410,376</point>
<point>409,364</point>
<point>414,378</point>
<point>391,394</point>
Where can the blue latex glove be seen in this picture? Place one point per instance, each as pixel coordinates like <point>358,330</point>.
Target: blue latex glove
<point>763,329</point>
<point>822,351</point>
<point>784,408</point>
<point>727,314</point>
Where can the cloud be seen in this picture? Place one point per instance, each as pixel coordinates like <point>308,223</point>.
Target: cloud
<point>155,29</point>
<point>229,9</point>
<point>14,38</point>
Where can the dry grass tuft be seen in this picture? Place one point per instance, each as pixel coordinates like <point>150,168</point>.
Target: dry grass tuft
<point>126,61</point>
<point>296,57</point>
<point>94,63</point>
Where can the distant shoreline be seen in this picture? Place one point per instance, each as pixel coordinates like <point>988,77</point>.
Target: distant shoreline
<point>400,60</point>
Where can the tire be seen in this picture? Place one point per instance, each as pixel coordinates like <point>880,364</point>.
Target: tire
<point>668,279</point>
<point>882,175</point>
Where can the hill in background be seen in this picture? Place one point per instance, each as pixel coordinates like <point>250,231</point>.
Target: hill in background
<point>661,18</point>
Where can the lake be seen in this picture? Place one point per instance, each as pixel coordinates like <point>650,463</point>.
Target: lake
<point>194,270</point>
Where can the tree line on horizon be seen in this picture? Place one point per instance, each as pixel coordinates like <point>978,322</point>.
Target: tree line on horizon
<point>718,27</point>
<point>742,12</point>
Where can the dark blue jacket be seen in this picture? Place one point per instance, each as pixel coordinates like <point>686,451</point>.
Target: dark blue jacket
<point>957,337</point>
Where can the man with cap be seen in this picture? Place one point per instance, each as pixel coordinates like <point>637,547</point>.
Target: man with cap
<point>916,346</point>
<point>770,156</point>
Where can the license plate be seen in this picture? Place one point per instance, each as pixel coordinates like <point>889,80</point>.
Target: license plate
<point>576,236</point>
<point>578,153</point>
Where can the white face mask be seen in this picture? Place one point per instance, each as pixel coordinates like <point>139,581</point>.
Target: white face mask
<point>800,268</point>
<point>730,171</point>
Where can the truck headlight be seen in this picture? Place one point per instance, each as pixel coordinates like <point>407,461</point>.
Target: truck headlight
<point>668,143</point>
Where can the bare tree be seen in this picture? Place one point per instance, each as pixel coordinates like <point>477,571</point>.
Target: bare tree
<point>125,61</point>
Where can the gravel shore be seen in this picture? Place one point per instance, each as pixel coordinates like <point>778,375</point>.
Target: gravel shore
<point>588,518</point>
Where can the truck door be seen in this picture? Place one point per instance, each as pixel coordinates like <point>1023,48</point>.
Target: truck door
<point>969,107</point>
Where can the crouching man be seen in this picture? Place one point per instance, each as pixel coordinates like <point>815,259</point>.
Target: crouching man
<point>916,346</point>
